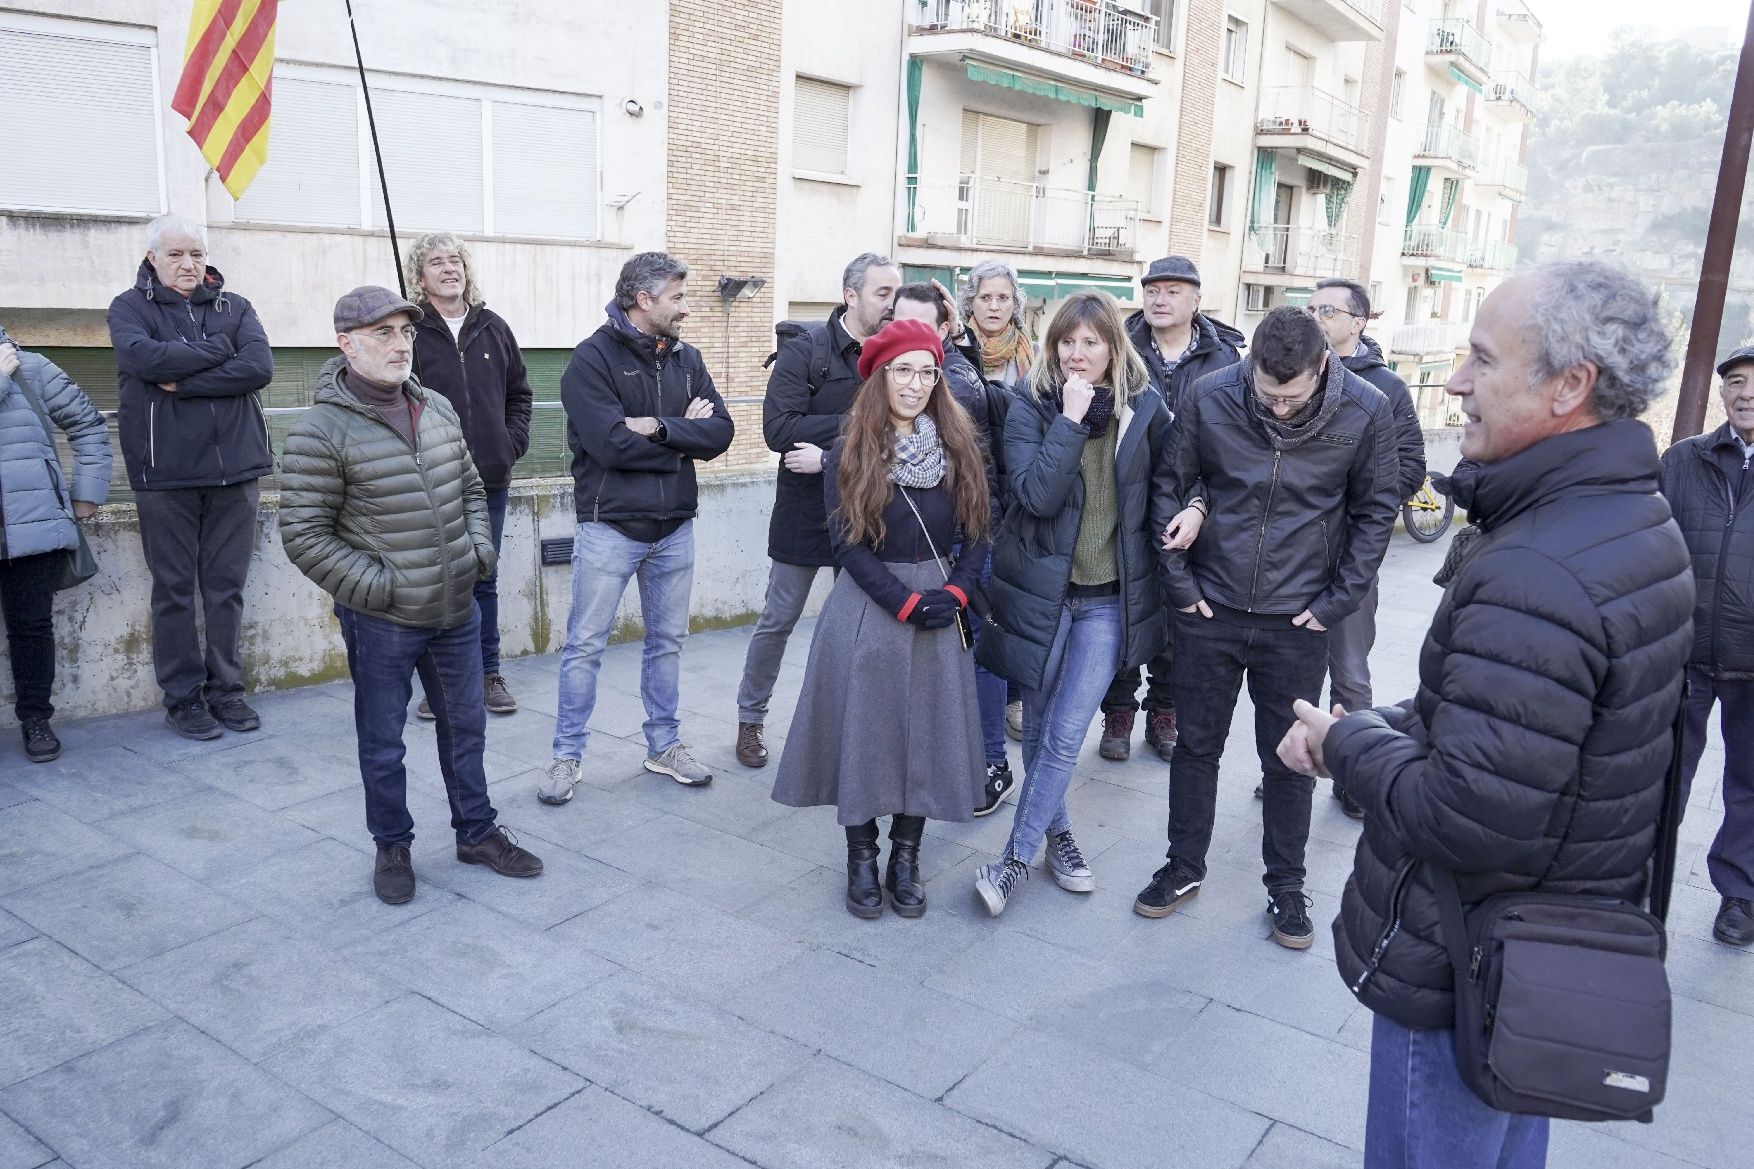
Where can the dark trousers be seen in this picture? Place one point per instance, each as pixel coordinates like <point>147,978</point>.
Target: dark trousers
<point>1123,692</point>
<point>383,656</point>
<point>1349,645</point>
<point>27,598</point>
<point>1731,859</point>
<point>1212,655</point>
<point>487,591</point>
<point>198,540</point>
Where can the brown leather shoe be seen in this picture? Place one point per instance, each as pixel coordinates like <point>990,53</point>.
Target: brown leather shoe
<point>496,696</point>
<point>751,749</point>
<point>1160,732</point>
<point>1117,735</point>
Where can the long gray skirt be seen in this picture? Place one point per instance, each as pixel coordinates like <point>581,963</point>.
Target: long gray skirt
<point>887,721</point>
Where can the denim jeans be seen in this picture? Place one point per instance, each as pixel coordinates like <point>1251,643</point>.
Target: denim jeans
<point>1422,1116</point>
<point>1349,645</point>
<point>1212,654</point>
<point>1081,664</point>
<point>1731,858</point>
<point>990,690</point>
<point>603,560</point>
<point>487,591</point>
<point>383,656</point>
<point>788,587</point>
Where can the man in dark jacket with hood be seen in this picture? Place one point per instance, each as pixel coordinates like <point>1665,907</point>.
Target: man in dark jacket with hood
<point>191,358</point>
<point>1179,345</point>
<point>1534,755</point>
<point>1709,482</point>
<point>640,411</point>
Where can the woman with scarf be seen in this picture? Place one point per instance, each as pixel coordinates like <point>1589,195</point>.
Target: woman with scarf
<point>1075,592</point>
<point>888,724</point>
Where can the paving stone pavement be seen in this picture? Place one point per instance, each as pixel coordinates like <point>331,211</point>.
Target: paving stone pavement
<point>194,972</point>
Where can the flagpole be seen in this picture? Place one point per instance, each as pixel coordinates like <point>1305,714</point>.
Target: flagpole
<point>377,153</point>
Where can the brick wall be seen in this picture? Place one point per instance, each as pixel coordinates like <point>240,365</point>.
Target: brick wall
<point>723,178</point>
<point>1193,148</point>
<point>1379,80</point>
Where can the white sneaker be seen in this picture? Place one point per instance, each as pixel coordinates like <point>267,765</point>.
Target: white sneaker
<point>680,766</point>
<point>1067,864</point>
<point>997,882</point>
<point>556,786</point>
<point>1014,720</point>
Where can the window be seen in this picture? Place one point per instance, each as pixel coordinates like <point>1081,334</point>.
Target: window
<point>1142,179</point>
<point>1397,93</point>
<point>1412,314</point>
<point>1164,11</point>
<point>820,126</point>
<point>1376,296</point>
<point>1218,206</point>
<point>1257,298</point>
<point>1349,91</point>
<point>1299,68</point>
<point>1235,56</point>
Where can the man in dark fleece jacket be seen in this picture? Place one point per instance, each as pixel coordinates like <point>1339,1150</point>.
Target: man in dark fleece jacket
<point>640,410</point>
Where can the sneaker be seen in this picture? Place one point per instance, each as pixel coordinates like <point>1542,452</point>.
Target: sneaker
<point>1000,781</point>
<point>191,719</point>
<point>1067,864</point>
<point>40,743</point>
<point>1117,735</point>
<point>556,787</point>
<point>424,711</point>
<point>1261,790</point>
<point>751,746</point>
<point>680,766</point>
<point>1170,886</point>
<point>393,875</point>
<point>995,883</point>
<point>1014,720</point>
<point>235,714</point>
<point>499,851</point>
<point>1160,733</point>
<point>1348,805</point>
<point>1288,913</point>
<point>496,696</point>
<point>1735,922</point>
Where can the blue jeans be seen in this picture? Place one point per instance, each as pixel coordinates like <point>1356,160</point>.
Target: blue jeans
<point>990,690</point>
<point>487,590</point>
<point>383,656</point>
<point>1422,1116</point>
<point>1081,664</point>
<point>603,560</point>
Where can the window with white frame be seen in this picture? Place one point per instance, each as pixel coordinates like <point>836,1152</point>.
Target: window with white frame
<point>821,127</point>
<point>1164,11</point>
<point>1397,93</point>
<point>1142,184</point>
<point>81,117</point>
<point>1218,201</point>
<point>1234,56</point>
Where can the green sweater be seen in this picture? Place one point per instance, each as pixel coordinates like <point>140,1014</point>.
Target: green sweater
<point>1094,559</point>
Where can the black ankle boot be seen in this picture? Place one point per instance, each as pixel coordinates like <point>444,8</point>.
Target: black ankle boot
<point>907,893</point>
<point>864,894</point>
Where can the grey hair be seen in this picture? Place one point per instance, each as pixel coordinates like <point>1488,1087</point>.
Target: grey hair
<point>1586,310</point>
<point>421,252</point>
<point>647,272</point>
<point>980,274</point>
<point>174,227</point>
<point>853,279</point>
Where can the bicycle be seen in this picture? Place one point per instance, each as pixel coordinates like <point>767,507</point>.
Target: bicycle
<point>1428,514</point>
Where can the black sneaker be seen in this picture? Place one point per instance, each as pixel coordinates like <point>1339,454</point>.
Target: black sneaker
<point>40,743</point>
<point>191,719</point>
<point>1348,805</point>
<point>1288,912</point>
<point>1735,922</point>
<point>393,875</point>
<point>1170,886</point>
<point>499,851</point>
<point>1000,781</point>
<point>235,714</point>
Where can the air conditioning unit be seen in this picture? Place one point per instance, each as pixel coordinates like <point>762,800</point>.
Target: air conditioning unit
<point>1319,183</point>
<point>1257,298</point>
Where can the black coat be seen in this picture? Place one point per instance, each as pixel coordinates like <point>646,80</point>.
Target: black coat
<point>1216,346</point>
<point>808,397</point>
<point>210,431</point>
<point>1712,496</point>
<point>1535,752</point>
<point>1032,556</point>
<point>480,371</point>
<point>1367,362</point>
<point>616,374</point>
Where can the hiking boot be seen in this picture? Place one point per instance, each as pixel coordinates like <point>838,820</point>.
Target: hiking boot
<point>997,882</point>
<point>499,851</point>
<point>1067,864</point>
<point>1160,732</point>
<point>424,711</point>
<point>191,719</point>
<point>1288,911</point>
<point>1735,922</point>
<point>496,696</point>
<point>751,747</point>
<point>1000,781</point>
<point>864,891</point>
<point>393,875</point>
<point>1348,805</point>
<point>680,766</point>
<point>235,714</point>
<point>1170,886</point>
<point>40,743</point>
<point>556,787</point>
<point>1117,735</point>
<point>1014,720</point>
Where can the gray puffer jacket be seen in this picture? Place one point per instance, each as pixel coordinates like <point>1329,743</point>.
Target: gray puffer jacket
<point>36,507</point>
<point>395,530</point>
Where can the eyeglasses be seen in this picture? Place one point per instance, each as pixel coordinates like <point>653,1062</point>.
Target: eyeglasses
<point>1325,312</point>
<point>996,300</point>
<point>904,374</point>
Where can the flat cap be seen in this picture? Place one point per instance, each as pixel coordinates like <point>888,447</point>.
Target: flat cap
<point>1172,268</point>
<point>367,305</point>
<point>1741,356</point>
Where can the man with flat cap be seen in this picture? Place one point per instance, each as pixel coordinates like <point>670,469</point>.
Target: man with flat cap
<point>382,507</point>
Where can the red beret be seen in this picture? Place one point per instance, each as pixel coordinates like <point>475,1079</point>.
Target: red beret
<point>896,338</point>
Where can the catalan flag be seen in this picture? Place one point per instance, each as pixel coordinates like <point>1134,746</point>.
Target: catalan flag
<point>228,77</point>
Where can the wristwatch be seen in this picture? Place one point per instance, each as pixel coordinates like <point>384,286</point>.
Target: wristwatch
<point>662,433</point>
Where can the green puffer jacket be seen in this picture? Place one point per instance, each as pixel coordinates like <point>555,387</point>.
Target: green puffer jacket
<point>390,530</point>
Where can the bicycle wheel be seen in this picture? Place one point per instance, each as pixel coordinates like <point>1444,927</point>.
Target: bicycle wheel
<point>1425,519</point>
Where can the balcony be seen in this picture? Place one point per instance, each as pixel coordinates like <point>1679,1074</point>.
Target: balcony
<point>1427,242</point>
<point>1339,20</point>
<point>1492,257</point>
<point>1457,43</point>
<point>1510,177</point>
<point>1100,45</point>
<point>999,214</point>
<point>1282,250</point>
<point>1307,119</point>
<point>1511,93</point>
<point>1519,25</point>
<point>1429,338</point>
<point>1447,147</point>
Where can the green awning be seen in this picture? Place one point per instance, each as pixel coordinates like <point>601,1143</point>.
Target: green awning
<point>1317,163</point>
<point>1119,287</point>
<point>1035,285</point>
<point>1078,97</point>
<point>1458,75</point>
<point>921,274</point>
<point>1298,297</point>
<point>1444,275</point>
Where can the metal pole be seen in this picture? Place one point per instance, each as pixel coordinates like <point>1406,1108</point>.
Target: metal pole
<point>1720,246</point>
<point>377,152</point>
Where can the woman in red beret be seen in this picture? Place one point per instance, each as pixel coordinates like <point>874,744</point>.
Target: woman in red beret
<point>888,724</point>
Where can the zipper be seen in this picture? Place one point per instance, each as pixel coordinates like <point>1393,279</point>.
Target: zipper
<point>1327,548</point>
<point>1397,895</point>
<point>1723,553</point>
<point>597,504</point>
<point>1261,540</point>
<point>218,447</point>
<point>152,434</point>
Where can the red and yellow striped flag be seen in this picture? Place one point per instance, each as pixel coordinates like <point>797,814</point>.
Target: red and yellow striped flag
<point>228,77</point>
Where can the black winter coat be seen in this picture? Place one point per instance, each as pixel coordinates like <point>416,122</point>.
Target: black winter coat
<point>1712,495</point>
<point>1367,362</point>
<point>1534,754</point>
<point>1216,346</point>
<point>210,431</point>
<point>480,371</point>
<point>1032,556</point>
<point>806,404</point>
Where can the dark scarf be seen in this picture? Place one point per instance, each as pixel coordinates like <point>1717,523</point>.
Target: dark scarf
<point>1290,433</point>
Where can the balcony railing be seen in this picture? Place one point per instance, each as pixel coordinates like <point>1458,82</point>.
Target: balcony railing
<point>975,211</point>
<point>1454,36</point>
<point>1442,140</point>
<point>1296,251</point>
<point>1429,337</point>
<point>1493,256</point>
<point>1427,241</point>
<point>1507,174</point>
<point>1511,89</point>
<point>1102,32</point>
<point>1371,10</point>
<point>1307,110</point>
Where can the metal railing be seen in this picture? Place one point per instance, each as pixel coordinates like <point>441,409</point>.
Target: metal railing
<point>1456,36</point>
<point>1442,140</point>
<point>1493,255</point>
<point>976,211</point>
<point>1512,88</point>
<point>1427,241</point>
<point>1429,337</point>
<point>1296,251</point>
<point>1371,10</point>
<point>1102,32</point>
<point>1302,109</point>
<point>1506,173</point>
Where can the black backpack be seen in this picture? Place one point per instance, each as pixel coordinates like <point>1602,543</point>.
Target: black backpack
<point>821,354</point>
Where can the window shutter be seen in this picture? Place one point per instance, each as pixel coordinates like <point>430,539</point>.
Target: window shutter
<point>1142,177</point>
<point>820,128</point>
<point>312,174</point>
<point>432,155</point>
<point>80,131</point>
<point>544,171</point>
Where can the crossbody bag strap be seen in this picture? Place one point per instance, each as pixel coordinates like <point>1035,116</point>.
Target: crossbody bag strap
<point>1669,824</point>
<point>36,405</point>
<point>924,531</point>
<point>1455,925</point>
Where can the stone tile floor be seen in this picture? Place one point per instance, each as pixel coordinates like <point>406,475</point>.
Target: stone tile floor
<point>194,972</point>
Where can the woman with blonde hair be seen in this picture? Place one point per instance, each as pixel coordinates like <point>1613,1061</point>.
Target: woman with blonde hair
<point>1075,590</point>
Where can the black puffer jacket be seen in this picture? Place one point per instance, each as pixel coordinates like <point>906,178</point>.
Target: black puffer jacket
<point>814,379</point>
<point>1032,556</point>
<point>480,371</point>
<point>1534,755</point>
<point>1712,495</point>
<point>1216,346</point>
<point>1367,362</point>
